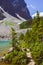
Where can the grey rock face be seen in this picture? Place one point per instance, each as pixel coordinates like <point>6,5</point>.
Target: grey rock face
<point>1,15</point>
<point>14,7</point>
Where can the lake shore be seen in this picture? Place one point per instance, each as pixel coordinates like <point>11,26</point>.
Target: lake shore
<point>5,51</point>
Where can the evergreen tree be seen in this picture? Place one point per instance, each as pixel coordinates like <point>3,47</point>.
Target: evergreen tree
<point>37,37</point>
<point>21,37</point>
<point>13,37</point>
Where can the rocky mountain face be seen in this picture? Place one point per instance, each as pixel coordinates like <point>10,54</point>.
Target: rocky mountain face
<point>1,15</point>
<point>12,13</point>
<point>14,7</point>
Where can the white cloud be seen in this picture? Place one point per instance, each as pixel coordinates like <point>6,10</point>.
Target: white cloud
<point>33,7</point>
<point>28,6</point>
<point>40,14</point>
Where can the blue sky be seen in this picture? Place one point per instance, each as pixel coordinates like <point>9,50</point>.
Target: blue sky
<point>34,5</point>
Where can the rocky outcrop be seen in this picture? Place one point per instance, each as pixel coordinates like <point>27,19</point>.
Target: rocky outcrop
<point>1,15</point>
<point>14,7</point>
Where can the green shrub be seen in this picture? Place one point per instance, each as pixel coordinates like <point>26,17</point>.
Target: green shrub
<point>20,59</point>
<point>25,24</point>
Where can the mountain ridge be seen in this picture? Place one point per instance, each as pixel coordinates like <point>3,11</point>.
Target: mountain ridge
<point>12,7</point>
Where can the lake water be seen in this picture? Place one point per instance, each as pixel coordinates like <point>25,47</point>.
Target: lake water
<point>4,44</point>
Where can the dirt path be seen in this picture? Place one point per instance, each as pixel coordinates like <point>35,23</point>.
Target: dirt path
<point>31,62</point>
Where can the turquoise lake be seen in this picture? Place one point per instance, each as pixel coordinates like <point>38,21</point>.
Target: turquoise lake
<point>4,44</point>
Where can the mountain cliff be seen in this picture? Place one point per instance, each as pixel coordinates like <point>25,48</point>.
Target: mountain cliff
<point>1,15</point>
<point>14,7</point>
